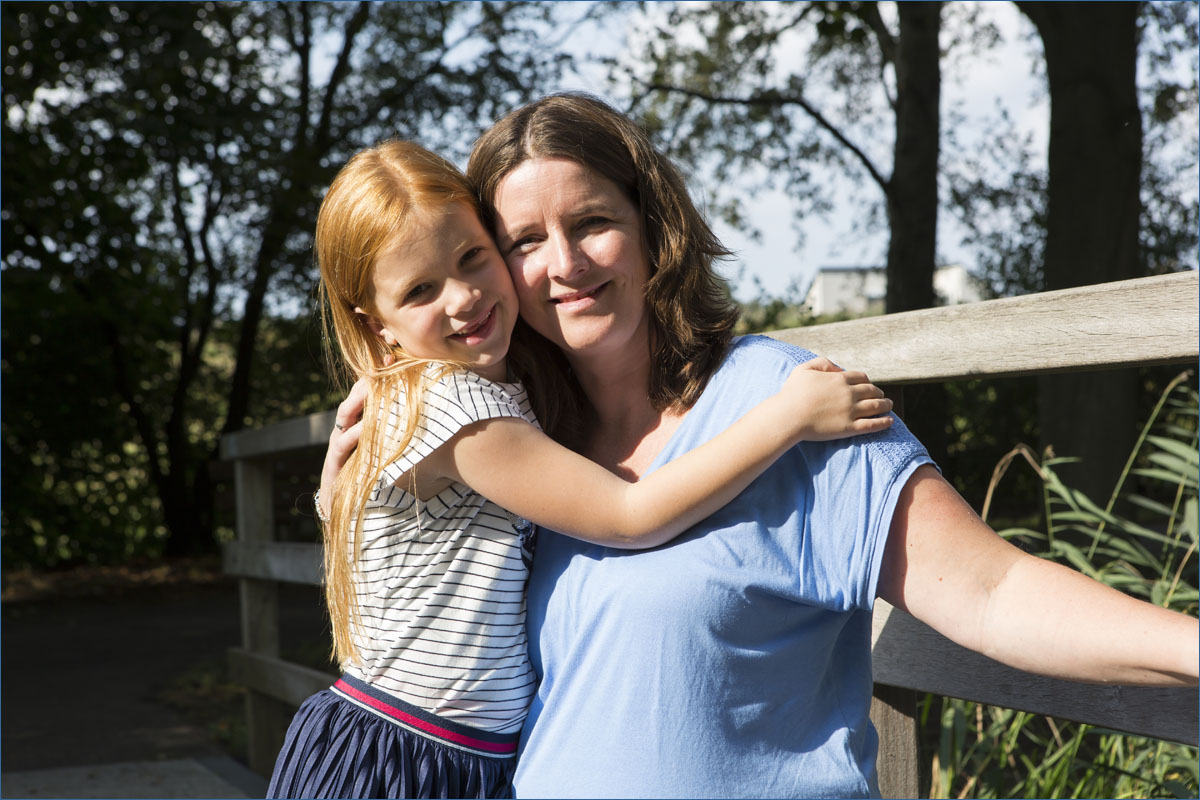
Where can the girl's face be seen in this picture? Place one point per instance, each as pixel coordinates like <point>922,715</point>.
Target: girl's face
<point>442,292</point>
<point>573,244</point>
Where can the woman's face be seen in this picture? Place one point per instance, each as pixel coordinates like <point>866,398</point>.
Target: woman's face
<point>573,244</point>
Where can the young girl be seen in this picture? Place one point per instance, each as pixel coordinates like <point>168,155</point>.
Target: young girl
<point>426,545</point>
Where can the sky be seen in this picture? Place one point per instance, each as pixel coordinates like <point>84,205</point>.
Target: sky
<point>780,264</point>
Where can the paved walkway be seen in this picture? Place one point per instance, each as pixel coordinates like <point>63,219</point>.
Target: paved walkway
<point>216,777</point>
<point>82,681</point>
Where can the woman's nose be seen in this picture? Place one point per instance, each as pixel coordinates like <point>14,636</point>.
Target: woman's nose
<point>566,258</point>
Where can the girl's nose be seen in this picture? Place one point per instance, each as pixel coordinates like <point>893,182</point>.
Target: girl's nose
<point>461,297</point>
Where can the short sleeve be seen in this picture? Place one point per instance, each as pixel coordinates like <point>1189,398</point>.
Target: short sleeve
<point>451,403</point>
<point>827,506</point>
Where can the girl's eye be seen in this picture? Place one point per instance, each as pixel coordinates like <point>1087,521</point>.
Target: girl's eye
<point>415,292</point>
<point>591,222</point>
<point>471,255</point>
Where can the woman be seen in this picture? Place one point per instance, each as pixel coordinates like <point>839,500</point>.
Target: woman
<point>736,660</point>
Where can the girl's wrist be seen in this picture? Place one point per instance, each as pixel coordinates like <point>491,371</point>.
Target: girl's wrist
<point>322,517</point>
<point>785,415</point>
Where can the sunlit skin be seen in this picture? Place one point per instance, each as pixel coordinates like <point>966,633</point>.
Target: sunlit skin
<point>441,291</point>
<point>574,247</point>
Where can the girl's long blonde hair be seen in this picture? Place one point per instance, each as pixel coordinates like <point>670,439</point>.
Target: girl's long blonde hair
<point>369,205</point>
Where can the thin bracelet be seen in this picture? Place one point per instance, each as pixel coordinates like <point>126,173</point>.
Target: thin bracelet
<point>324,520</point>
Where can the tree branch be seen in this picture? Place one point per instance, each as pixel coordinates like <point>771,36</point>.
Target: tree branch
<point>775,98</point>
<point>341,69</point>
<point>869,13</point>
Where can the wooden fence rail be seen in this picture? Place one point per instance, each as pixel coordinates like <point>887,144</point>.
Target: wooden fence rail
<point>1141,322</point>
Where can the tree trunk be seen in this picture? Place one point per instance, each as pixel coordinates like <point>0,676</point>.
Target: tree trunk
<point>912,195</point>
<point>912,198</point>
<point>279,226</point>
<point>1093,213</point>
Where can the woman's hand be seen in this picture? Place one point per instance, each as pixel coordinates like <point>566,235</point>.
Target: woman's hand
<point>832,403</point>
<point>343,439</point>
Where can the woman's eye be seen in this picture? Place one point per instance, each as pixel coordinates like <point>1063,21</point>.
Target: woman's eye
<point>523,245</point>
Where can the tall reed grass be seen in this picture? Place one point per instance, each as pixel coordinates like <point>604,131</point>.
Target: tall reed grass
<point>1143,541</point>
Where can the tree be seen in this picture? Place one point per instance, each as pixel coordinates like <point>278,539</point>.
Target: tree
<point>1093,214</point>
<point>726,100</point>
<point>162,168</point>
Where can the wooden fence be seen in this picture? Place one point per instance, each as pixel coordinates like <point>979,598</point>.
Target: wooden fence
<point>1141,322</point>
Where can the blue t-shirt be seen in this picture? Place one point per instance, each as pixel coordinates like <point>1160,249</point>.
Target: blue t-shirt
<point>735,660</point>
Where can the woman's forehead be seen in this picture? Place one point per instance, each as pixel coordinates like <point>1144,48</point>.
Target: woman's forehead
<point>555,180</point>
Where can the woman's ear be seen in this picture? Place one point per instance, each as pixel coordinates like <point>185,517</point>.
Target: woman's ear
<point>377,327</point>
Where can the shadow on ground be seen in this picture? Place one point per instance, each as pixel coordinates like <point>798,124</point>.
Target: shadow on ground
<point>104,669</point>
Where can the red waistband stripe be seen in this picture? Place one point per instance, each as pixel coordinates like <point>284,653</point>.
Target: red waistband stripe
<point>421,721</point>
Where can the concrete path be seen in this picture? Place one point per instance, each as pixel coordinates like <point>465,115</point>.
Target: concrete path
<point>216,777</point>
<point>82,682</point>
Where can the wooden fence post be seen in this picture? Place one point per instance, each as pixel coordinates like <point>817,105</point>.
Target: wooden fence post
<point>894,714</point>
<point>266,717</point>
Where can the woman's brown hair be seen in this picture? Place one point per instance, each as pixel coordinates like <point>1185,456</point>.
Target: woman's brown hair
<point>692,312</point>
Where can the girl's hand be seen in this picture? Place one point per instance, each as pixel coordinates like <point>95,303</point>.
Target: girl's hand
<point>832,403</point>
<point>343,439</point>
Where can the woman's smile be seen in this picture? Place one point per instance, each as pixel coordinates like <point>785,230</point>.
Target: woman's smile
<point>582,300</point>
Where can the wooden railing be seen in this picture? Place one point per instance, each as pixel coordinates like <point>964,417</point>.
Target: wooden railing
<point>1125,324</point>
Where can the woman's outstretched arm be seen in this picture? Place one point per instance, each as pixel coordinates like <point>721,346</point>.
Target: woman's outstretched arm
<point>947,568</point>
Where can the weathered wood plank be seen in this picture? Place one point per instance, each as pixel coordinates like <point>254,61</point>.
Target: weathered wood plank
<point>1140,322</point>
<point>291,562</point>
<point>894,715</point>
<point>910,654</point>
<point>255,524</point>
<point>282,681</point>
<point>266,718</point>
<point>291,434</point>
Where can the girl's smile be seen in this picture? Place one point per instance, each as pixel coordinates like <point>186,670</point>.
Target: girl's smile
<point>441,291</point>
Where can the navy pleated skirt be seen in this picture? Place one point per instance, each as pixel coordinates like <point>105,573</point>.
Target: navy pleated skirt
<point>354,741</point>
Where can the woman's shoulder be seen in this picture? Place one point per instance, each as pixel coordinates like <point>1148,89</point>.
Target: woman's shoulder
<point>755,352</point>
<point>756,366</point>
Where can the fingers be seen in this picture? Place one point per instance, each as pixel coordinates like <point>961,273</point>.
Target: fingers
<point>821,364</point>
<point>866,391</point>
<point>344,442</point>
<point>349,411</point>
<point>872,424</point>
<point>872,407</point>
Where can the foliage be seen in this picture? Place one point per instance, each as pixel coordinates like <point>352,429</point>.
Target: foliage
<point>776,95</point>
<point>1149,553</point>
<point>162,165</point>
<point>997,185</point>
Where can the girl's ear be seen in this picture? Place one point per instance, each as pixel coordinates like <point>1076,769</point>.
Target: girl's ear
<point>376,326</point>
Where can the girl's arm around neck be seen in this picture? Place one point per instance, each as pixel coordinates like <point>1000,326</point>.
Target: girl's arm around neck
<point>523,470</point>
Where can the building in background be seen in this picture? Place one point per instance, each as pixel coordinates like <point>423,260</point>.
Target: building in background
<point>860,291</point>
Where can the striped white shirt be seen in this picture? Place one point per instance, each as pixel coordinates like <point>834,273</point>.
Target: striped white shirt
<point>441,582</point>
